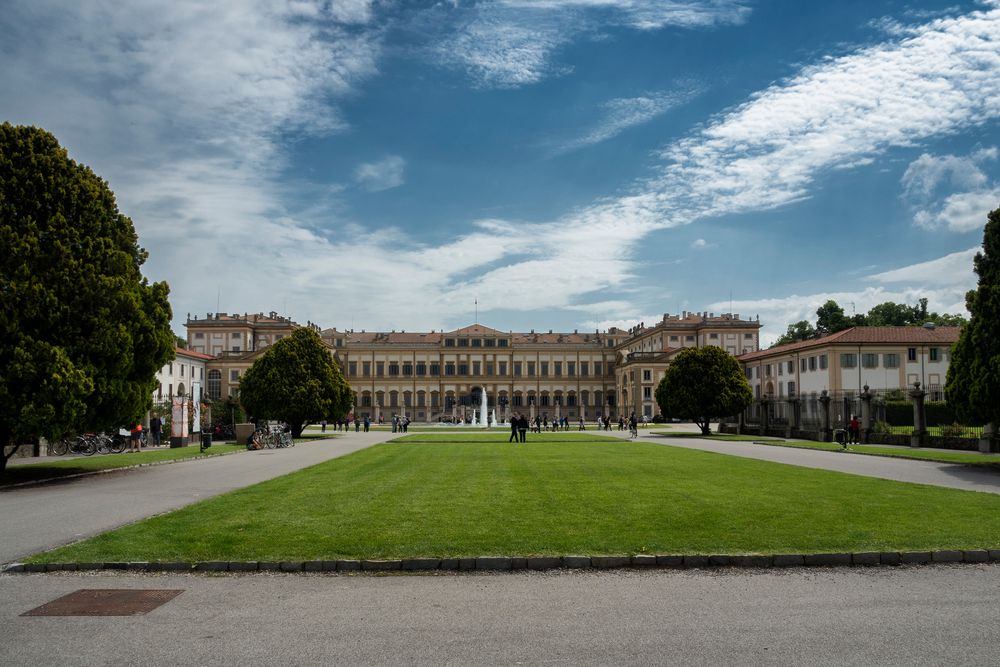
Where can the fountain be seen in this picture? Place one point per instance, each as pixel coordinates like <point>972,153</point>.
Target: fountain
<point>483,417</point>
<point>493,418</point>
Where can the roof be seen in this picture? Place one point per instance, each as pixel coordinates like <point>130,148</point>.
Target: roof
<point>866,336</point>
<point>437,337</point>
<point>183,352</point>
<point>477,329</point>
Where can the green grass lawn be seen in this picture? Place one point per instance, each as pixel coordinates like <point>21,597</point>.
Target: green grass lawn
<point>450,499</point>
<point>62,467</point>
<point>963,457</point>
<point>503,438</point>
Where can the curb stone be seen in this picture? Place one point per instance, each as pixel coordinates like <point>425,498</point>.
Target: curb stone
<point>946,556</point>
<point>827,560</point>
<point>449,563</point>
<point>348,565</point>
<point>670,561</point>
<point>466,563</point>
<point>243,566</point>
<point>269,566</point>
<point>212,566</point>
<point>421,563</point>
<point>994,554</point>
<point>329,565</point>
<point>643,560</point>
<point>976,556</point>
<point>610,561</point>
<point>492,563</point>
<point>921,557</point>
<point>696,561</point>
<point>576,561</point>
<point>751,561</point>
<point>381,565</point>
<point>789,560</point>
<point>312,566</point>
<point>518,563</point>
<point>718,561</point>
<point>544,562</point>
<point>866,558</point>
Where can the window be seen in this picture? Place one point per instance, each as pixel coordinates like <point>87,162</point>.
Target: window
<point>170,368</point>
<point>435,368</point>
<point>911,354</point>
<point>337,343</point>
<point>516,401</point>
<point>545,400</point>
<point>545,369</point>
<point>366,401</point>
<point>597,368</point>
<point>869,360</point>
<point>674,339</point>
<point>366,368</point>
<point>476,368</point>
<point>214,385</point>
<point>199,335</point>
<point>935,354</point>
<point>571,400</point>
<point>517,369</point>
<point>463,369</point>
<point>407,368</point>
<point>647,375</point>
<point>647,393</point>
<point>748,336</point>
<point>489,368</point>
<point>767,370</point>
<point>802,365</point>
<point>503,367</point>
<point>791,367</point>
<point>234,375</point>
<point>463,342</point>
<point>890,360</point>
<point>489,342</point>
<point>477,342</point>
<point>235,335</point>
<point>781,367</point>
<point>822,362</point>
<point>502,342</point>
<point>380,368</point>
<point>557,368</point>
<point>449,368</point>
<point>421,368</point>
<point>182,370</point>
<point>848,360</point>
<point>571,368</point>
<point>689,339</point>
<point>713,336</point>
<point>791,389</point>
<point>393,368</point>
<point>584,368</point>
<point>531,368</point>
<point>449,342</point>
<point>352,368</point>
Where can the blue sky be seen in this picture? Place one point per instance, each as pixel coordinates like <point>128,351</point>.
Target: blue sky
<point>568,163</point>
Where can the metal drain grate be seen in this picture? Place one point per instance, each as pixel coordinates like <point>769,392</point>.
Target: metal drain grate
<point>105,602</point>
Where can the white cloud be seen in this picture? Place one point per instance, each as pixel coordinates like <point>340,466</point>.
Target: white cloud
<point>698,244</point>
<point>951,270</point>
<point>510,43</point>
<point>930,184</point>
<point>381,175</point>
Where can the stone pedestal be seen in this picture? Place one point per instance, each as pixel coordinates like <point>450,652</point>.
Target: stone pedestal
<point>866,414</point>
<point>794,417</point>
<point>826,432</point>
<point>990,442</point>
<point>919,436</point>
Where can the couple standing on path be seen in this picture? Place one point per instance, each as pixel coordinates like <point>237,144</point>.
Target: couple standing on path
<point>518,428</point>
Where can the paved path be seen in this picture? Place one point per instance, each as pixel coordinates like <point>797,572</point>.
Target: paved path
<point>950,475</point>
<point>937,615</point>
<point>36,518</point>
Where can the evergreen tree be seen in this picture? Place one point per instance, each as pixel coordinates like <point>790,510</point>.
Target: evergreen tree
<point>973,384</point>
<point>703,384</point>
<point>82,332</point>
<point>296,381</point>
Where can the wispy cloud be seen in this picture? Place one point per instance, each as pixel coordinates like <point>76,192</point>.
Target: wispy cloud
<point>510,43</point>
<point>381,175</point>
<point>624,112</point>
<point>951,192</point>
<point>951,270</point>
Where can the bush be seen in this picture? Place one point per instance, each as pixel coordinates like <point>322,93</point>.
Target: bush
<point>881,428</point>
<point>954,430</point>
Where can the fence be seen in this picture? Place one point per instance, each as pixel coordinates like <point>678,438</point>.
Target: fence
<point>887,417</point>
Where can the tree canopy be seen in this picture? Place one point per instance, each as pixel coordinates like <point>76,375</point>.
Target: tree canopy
<point>296,381</point>
<point>703,384</point>
<point>973,383</point>
<point>82,332</point>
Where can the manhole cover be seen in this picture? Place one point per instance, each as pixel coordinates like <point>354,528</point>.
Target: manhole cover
<point>105,602</point>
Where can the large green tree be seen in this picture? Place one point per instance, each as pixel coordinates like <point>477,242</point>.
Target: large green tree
<point>82,332</point>
<point>801,330</point>
<point>973,384</point>
<point>703,384</point>
<point>296,381</point>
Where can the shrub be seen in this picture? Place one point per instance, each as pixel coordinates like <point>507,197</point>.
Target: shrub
<point>954,430</point>
<point>881,428</point>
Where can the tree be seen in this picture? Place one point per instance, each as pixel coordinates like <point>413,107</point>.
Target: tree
<point>82,332</point>
<point>830,318</point>
<point>703,384</point>
<point>296,381</point>
<point>973,383</point>
<point>801,330</point>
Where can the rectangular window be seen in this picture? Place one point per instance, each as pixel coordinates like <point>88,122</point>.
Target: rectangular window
<point>407,368</point>
<point>597,368</point>
<point>463,369</point>
<point>748,336</point>
<point>570,368</point>
<point>802,365</point>
<point>545,400</point>
<point>477,342</point>
<point>934,352</point>
<point>791,389</point>
<point>689,339</point>
<point>869,360</point>
<point>674,339</point>
<point>503,367</point>
<point>421,368</point>
<point>911,354</point>
<point>767,370</point>
<point>517,369</point>
<point>545,369</point>
<point>199,335</point>
<point>531,368</point>
<point>812,363</point>
<point>791,367</point>
<point>476,368</point>
<point>584,368</point>
<point>235,335</point>
<point>571,401</point>
<point>489,342</point>
<point>234,375</point>
<point>890,360</point>
<point>434,399</point>
<point>647,393</point>
<point>449,368</point>
<point>182,370</point>
<point>647,375</point>
<point>393,368</point>
<point>848,360</point>
<point>379,368</point>
<point>822,362</point>
<point>713,336</point>
<point>366,368</point>
<point>516,401</point>
<point>463,342</point>
<point>449,342</point>
<point>781,367</point>
<point>557,370</point>
<point>435,368</point>
<point>352,368</point>
<point>502,342</point>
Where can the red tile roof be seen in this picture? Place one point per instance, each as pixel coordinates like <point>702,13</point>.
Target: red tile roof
<point>866,336</point>
<point>180,351</point>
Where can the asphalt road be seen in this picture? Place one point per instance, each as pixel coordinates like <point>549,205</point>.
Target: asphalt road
<point>883,616</point>
<point>36,518</point>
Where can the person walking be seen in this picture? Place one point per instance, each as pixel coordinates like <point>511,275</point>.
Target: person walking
<point>134,433</point>
<point>156,428</point>
<point>515,422</point>
<point>854,430</point>
<point>367,423</point>
<point>522,428</point>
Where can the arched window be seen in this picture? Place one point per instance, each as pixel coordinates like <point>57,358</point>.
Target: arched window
<point>215,385</point>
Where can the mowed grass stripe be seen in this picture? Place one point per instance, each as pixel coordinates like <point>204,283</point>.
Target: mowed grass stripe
<point>467,499</point>
<point>504,437</point>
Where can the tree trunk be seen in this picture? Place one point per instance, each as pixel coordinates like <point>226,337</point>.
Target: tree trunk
<point>297,429</point>
<point>705,426</point>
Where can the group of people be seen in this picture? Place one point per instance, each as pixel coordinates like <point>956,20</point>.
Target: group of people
<point>400,423</point>
<point>518,427</point>
<point>345,424</point>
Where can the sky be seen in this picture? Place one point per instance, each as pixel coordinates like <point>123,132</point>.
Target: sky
<point>535,164</point>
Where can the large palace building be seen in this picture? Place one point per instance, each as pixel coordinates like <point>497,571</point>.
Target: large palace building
<point>435,375</point>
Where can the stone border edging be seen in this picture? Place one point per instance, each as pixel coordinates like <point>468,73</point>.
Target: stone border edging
<point>504,563</point>
<point>105,471</point>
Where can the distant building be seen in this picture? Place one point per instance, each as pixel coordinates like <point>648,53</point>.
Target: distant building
<point>183,376</point>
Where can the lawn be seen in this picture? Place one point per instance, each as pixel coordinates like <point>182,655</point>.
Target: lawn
<point>450,499</point>
<point>957,456</point>
<point>62,467</point>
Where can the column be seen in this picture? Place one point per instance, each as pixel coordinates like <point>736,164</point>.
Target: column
<point>794,417</point>
<point>826,433</point>
<point>989,443</point>
<point>919,436</point>
<point>866,415</point>
<point>765,415</point>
